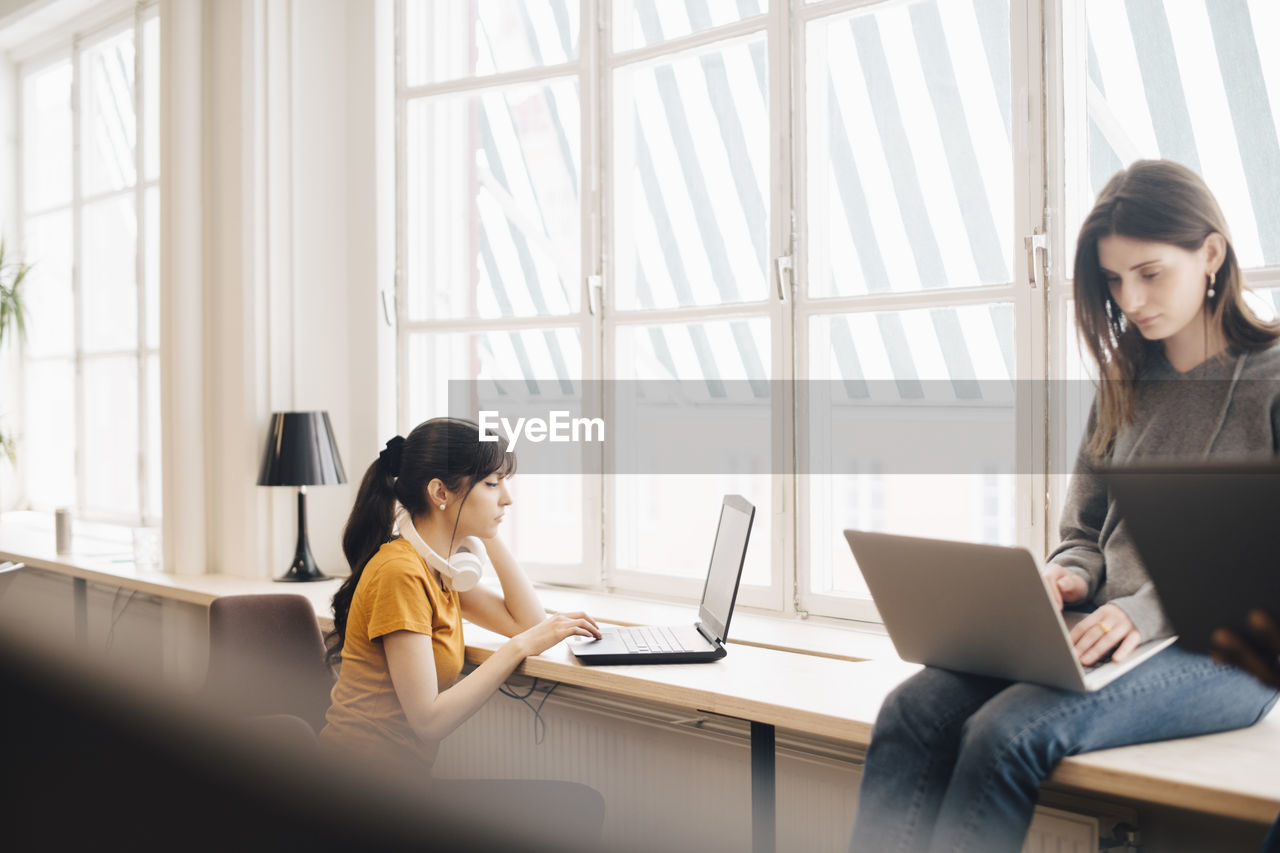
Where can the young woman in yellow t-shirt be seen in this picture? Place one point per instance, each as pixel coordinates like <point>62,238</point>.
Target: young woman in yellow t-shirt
<point>398,617</point>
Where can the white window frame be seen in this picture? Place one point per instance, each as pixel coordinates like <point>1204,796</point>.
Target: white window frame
<point>779,526</point>
<point>68,43</point>
<point>585,69</point>
<point>1027,301</point>
<point>1046,145</point>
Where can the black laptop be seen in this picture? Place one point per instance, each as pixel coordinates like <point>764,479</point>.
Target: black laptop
<point>1206,534</point>
<point>704,640</point>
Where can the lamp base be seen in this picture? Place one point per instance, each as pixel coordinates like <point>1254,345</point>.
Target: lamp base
<point>302,574</point>
<point>303,568</point>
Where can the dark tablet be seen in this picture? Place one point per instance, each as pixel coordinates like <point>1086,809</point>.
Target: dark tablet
<point>1209,535</point>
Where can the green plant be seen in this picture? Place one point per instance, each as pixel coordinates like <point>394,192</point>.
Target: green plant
<point>13,317</point>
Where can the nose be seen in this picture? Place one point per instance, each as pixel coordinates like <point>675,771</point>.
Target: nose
<point>504,497</point>
<point>1128,295</point>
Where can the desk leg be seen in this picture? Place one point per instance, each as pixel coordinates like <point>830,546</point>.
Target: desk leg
<point>80,595</point>
<point>764,831</point>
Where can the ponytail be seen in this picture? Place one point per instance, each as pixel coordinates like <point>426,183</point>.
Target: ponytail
<point>368,528</point>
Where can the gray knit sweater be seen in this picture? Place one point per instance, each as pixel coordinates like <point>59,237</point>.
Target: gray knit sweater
<point>1224,408</point>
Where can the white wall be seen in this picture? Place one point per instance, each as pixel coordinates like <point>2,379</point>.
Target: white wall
<point>293,260</point>
<point>9,7</point>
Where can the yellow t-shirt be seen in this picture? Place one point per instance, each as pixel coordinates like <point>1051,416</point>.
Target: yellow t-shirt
<point>396,592</point>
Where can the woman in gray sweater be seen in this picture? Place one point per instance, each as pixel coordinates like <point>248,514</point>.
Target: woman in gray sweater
<point>1187,371</point>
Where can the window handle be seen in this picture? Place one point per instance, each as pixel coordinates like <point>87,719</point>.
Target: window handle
<point>783,266</point>
<point>593,294</point>
<point>1037,252</point>
<point>386,309</point>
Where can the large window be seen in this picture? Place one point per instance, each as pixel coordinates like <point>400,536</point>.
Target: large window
<point>842,225</point>
<point>89,204</point>
<point>909,311</point>
<point>493,155</point>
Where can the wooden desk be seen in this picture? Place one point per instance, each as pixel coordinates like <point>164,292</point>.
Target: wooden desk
<point>768,688</point>
<point>111,564</point>
<point>1233,774</point>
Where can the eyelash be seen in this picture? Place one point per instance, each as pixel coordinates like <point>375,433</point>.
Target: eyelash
<point>1113,282</point>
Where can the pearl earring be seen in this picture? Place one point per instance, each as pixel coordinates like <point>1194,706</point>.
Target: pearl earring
<point>442,506</point>
<point>1212,292</point>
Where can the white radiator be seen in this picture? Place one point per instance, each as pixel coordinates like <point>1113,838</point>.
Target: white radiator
<point>1054,831</point>
<point>681,781</point>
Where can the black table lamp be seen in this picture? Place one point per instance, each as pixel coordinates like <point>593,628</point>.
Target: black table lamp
<point>301,452</point>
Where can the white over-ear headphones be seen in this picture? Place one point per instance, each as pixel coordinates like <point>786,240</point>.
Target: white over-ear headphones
<point>460,573</point>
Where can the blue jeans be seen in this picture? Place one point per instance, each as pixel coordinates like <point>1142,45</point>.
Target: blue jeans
<point>956,761</point>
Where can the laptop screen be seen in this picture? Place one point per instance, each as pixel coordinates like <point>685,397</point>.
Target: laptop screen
<point>727,556</point>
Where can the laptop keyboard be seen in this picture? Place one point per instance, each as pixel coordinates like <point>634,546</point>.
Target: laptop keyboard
<point>648,639</point>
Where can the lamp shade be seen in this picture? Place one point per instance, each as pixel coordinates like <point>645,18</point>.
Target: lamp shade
<point>301,451</point>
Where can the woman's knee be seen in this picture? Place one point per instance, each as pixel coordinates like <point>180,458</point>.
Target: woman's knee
<point>931,704</point>
<point>1022,745</point>
<point>911,706</point>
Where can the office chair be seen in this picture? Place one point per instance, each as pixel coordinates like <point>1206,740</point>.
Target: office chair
<point>266,658</point>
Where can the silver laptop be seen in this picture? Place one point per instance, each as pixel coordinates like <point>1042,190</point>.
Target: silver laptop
<point>976,608</point>
<point>704,640</point>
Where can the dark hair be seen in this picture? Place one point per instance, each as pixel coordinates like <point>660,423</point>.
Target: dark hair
<point>448,449</point>
<point>1162,202</point>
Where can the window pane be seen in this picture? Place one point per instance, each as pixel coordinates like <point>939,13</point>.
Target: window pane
<point>448,39</point>
<point>1194,82</point>
<point>666,525</point>
<point>637,23</point>
<point>111,434</point>
<point>493,203</point>
<point>151,96</point>
<point>714,351</point>
<point>152,268</point>
<point>155,483</point>
<point>910,179</point>
<point>1078,393</point>
<point>545,524</point>
<point>46,137</point>
<point>691,150</point>
<point>107,121</point>
<point>541,361</point>
<point>664,522</point>
<point>896,395</point>
<point>109,280</point>
<point>50,321</point>
<point>48,440</point>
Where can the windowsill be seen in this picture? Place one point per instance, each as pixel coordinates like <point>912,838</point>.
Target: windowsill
<point>89,539</point>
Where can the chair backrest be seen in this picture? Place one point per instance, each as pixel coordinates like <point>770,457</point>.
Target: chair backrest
<point>266,656</point>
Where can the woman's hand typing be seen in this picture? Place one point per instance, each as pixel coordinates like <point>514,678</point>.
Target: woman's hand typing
<point>1107,630</point>
<point>1065,586</point>
<point>555,628</point>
